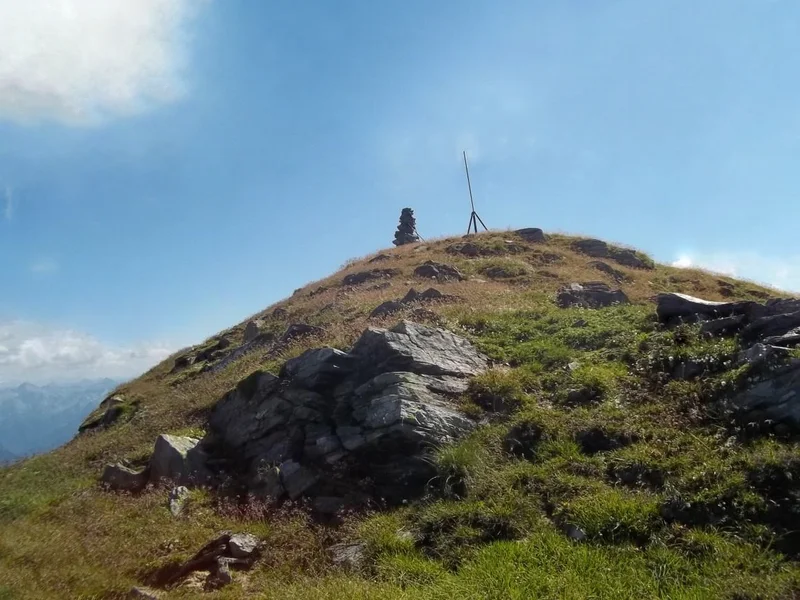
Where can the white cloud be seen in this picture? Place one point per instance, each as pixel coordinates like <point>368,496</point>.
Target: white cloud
<point>36,353</point>
<point>8,209</point>
<point>44,265</point>
<point>782,272</point>
<point>77,61</point>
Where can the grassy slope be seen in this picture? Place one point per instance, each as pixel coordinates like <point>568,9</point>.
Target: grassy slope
<point>493,532</point>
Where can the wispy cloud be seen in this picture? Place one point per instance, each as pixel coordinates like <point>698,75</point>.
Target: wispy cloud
<point>38,353</point>
<point>77,61</point>
<point>8,206</point>
<point>782,272</point>
<point>44,265</point>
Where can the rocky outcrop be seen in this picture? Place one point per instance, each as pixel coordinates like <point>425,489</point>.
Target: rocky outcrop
<point>108,413</point>
<point>438,271</point>
<point>623,256</point>
<point>344,427</point>
<point>252,330</point>
<point>532,235</point>
<point>771,326</point>
<point>589,295</point>
<point>371,275</point>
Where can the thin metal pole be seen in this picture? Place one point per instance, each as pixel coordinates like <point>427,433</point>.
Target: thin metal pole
<point>469,184</point>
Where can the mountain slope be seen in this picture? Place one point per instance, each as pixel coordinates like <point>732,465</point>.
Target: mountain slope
<point>599,466</point>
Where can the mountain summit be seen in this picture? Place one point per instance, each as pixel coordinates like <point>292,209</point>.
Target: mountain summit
<point>509,414</point>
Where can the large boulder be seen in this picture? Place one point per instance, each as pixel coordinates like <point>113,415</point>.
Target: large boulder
<point>178,459</point>
<point>531,234</point>
<point>333,422</point>
<point>589,295</point>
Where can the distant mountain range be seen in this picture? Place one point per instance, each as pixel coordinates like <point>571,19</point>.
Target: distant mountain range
<point>36,418</point>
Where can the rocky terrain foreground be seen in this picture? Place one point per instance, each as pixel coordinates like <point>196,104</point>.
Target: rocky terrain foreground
<point>507,415</point>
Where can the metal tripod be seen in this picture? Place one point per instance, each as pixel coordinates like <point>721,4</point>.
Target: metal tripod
<point>473,217</point>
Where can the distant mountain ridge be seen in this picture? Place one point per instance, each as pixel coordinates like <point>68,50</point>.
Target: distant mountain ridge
<point>37,418</point>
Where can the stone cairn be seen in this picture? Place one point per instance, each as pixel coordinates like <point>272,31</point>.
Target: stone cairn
<point>407,229</point>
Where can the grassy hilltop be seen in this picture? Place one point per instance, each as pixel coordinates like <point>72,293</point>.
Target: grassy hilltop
<point>669,498</point>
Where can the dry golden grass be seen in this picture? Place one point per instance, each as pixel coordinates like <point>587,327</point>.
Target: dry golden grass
<point>62,537</point>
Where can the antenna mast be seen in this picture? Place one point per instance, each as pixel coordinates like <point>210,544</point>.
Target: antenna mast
<point>473,217</point>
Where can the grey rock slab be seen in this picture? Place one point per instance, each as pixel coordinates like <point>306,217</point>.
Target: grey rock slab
<point>386,308</point>
<point>439,271</point>
<point>589,295</point>
<point>770,326</point>
<point>318,368</point>
<point>778,397</point>
<point>296,478</point>
<point>251,330</point>
<point>119,477</point>
<point>178,459</point>
<point>723,326</point>
<point>412,347</point>
<point>790,338</point>
<point>242,545</point>
<point>349,556</point>
<point>673,305</point>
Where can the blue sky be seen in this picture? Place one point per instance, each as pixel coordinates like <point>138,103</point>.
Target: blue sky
<point>168,167</point>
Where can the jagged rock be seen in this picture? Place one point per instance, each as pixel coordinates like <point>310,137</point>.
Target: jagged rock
<point>122,478</point>
<point>296,478</point>
<point>364,276</point>
<point>381,412</point>
<point>422,350</point>
<point>318,368</point>
<point>251,330</point>
<point>386,308</point>
<point>531,234</point>
<point>262,339</point>
<point>770,326</point>
<point>296,330</point>
<point>219,577</point>
<point>681,306</point>
<point>439,271</point>
<point>724,326</point>
<point>178,459</point>
<point>616,274</point>
<point>600,249</point>
<point>280,313</point>
<point>242,545</point>
<point>177,499</point>
<point>429,294</point>
<point>776,398</point>
<point>349,556</point>
<point>107,413</point>
<point>209,353</point>
<point>589,295</point>
<point>143,593</point>
<point>776,306</point>
<point>790,338</point>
